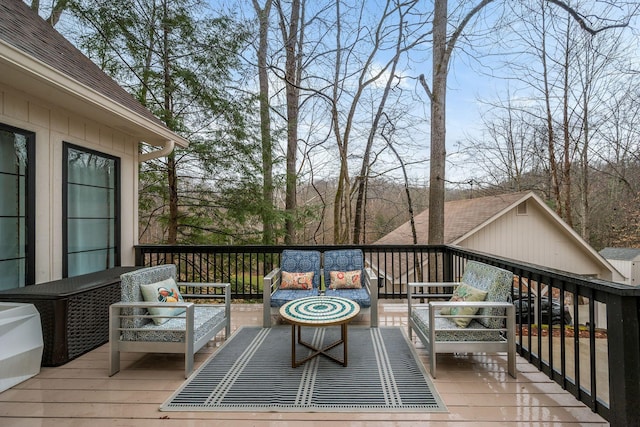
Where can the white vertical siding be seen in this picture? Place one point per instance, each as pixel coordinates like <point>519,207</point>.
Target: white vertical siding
<point>52,127</point>
<point>630,269</point>
<point>535,238</point>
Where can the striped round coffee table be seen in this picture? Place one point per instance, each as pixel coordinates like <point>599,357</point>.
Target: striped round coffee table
<point>320,311</point>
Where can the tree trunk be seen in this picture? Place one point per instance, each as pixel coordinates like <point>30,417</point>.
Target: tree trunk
<point>265,126</point>
<point>438,125</point>
<point>566,164</point>
<point>172,175</point>
<point>292,93</point>
<point>553,164</point>
<point>342,201</point>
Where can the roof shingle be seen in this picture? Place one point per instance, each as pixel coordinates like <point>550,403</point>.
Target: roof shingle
<point>25,30</point>
<point>461,216</point>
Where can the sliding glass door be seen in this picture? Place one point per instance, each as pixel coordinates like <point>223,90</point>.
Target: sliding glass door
<point>91,203</point>
<point>17,207</point>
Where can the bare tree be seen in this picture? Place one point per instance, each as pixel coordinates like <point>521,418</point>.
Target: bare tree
<point>54,13</point>
<point>392,27</point>
<point>292,35</point>
<point>404,43</point>
<point>443,45</point>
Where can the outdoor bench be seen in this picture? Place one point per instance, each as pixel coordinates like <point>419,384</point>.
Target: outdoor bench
<point>74,312</point>
<point>140,325</point>
<point>490,329</point>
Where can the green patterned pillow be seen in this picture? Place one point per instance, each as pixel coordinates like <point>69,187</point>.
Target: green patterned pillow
<point>468,293</point>
<point>165,291</point>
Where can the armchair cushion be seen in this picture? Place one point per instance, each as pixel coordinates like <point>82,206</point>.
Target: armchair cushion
<point>446,331</point>
<point>205,318</point>
<point>282,296</point>
<point>164,291</point>
<point>302,261</point>
<point>345,279</point>
<point>342,260</point>
<point>346,260</point>
<point>296,261</point>
<point>297,280</point>
<point>361,296</point>
<point>465,293</point>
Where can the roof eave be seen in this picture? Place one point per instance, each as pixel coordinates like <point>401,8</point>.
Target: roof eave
<point>489,220</point>
<point>26,74</point>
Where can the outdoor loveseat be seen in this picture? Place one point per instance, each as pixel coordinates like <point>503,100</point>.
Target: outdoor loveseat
<point>306,261</point>
<point>479,317</point>
<point>143,323</point>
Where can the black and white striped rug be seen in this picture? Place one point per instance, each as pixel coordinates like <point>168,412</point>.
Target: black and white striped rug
<point>252,372</point>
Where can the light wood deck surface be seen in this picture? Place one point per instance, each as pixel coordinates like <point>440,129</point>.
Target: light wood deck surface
<point>476,389</point>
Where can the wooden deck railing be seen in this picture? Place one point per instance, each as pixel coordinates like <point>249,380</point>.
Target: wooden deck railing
<point>602,341</point>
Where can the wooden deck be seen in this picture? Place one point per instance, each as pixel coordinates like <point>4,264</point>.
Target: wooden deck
<point>476,390</point>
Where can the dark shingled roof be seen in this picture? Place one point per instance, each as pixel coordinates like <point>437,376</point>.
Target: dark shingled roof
<point>27,31</point>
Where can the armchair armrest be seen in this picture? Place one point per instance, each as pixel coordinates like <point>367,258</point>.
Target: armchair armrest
<point>479,304</point>
<point>270,284</point>
<point>272,281</point>
<point>115,314</point>
<point>371,284</point>
<point>412,291</point>
<point>226,287</point>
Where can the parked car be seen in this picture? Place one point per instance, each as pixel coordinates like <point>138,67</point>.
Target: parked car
<point>557,311</point>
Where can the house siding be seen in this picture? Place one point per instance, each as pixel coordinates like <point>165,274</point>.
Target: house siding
<point>534,238</point>
<point>630,269</point>
<point>53,126</point>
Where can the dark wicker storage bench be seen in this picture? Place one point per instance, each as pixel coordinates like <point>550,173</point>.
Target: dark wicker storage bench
<point>74,312</point>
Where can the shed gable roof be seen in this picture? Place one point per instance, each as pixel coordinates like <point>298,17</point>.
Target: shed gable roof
<point>461,218</point>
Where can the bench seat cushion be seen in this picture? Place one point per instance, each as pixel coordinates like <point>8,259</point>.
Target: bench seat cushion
<point>282,296</point>
<point>205,318</point>
<point>474,332</point>
<point>361,296</point>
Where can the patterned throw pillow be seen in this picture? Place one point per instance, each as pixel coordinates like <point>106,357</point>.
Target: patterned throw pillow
<point>163,291</point>
<point>345,279</point>
<point>296,280</point>
<point>464,292</point>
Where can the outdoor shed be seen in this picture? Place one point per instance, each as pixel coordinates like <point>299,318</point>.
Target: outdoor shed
<point>518,226</point>
<point>626,261</point>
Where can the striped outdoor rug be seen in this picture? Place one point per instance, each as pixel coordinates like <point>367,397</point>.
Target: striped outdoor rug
<point>252,372</point>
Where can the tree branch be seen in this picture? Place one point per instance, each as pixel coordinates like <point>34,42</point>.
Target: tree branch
<point>581,21</point>
<point>424,84</point>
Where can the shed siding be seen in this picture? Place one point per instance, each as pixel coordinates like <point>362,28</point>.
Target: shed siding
<point>52,127</point>
<point>630,269</point>
<point>536,239</point>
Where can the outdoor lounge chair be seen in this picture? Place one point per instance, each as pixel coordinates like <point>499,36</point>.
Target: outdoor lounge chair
<point>139,324</point>
<point>490,320</point>
<point>347,260</point>
<point>291,261</point>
